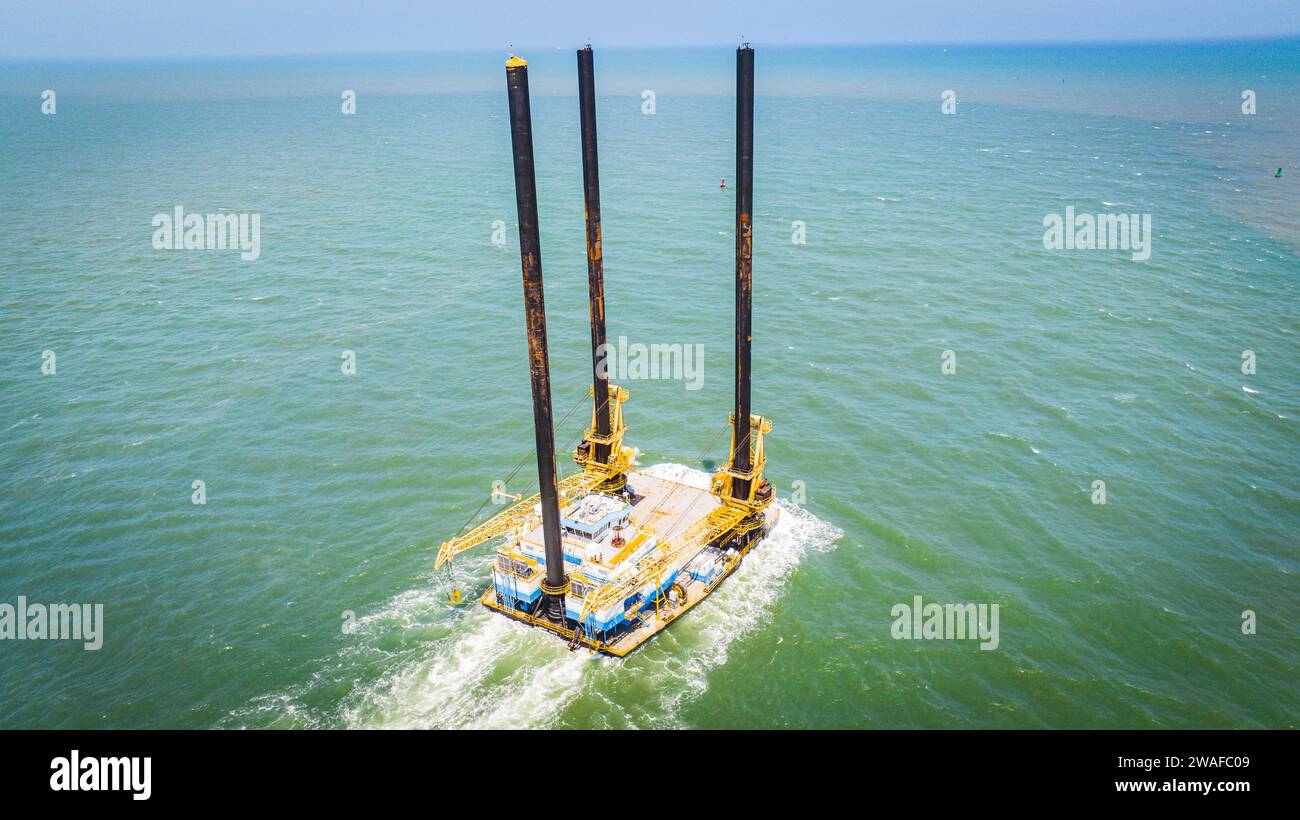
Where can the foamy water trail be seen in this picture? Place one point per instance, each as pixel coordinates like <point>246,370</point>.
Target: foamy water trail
<point>736,608</point>
<point>492,672</point>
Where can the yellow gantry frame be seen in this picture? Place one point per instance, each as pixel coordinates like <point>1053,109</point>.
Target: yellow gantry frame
<point>724,477</point>
<point>620,460</point>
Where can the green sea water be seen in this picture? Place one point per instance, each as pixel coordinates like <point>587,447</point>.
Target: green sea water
<point>327,494</point>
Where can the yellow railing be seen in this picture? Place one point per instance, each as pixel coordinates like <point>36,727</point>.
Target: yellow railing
<point>708,528</point>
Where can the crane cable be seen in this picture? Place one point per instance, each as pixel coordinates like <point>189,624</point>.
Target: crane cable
<point>453,594</point>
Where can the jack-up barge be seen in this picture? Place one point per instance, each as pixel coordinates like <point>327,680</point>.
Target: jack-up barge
<point>610,556</point>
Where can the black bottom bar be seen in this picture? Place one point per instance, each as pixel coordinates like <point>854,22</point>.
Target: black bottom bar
<point>445,772</point>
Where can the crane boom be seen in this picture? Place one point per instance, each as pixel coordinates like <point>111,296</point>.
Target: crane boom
<point>522,514</point>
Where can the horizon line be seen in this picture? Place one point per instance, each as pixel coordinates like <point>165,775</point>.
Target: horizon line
<point>1047,43</point>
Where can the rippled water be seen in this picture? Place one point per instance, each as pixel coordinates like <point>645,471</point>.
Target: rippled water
<point>328,494</point>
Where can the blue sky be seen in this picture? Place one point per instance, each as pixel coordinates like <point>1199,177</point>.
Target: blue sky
<point>59,29</point>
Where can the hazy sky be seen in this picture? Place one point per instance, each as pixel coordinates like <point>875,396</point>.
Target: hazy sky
<point>144,28</point>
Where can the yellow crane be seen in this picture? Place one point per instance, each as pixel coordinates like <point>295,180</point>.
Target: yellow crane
<point>524,514</point>
<point>595,475</point>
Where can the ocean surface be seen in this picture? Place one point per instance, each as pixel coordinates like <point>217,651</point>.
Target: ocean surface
<point>302,594</point>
